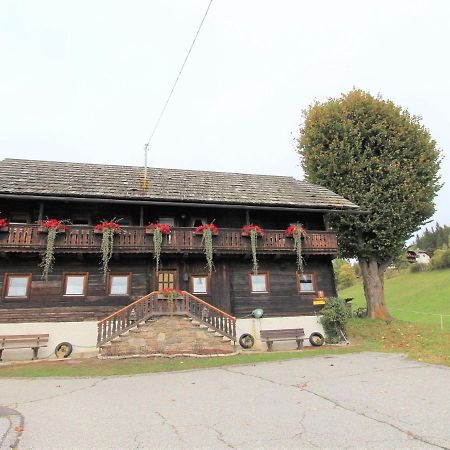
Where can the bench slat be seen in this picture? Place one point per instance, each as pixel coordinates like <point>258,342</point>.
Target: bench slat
<point>14,336</point>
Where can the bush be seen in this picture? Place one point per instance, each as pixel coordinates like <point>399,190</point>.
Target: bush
<point>335,315</point>
<point>347,276</point>
<point>417,267</point>
<point>441,259</point>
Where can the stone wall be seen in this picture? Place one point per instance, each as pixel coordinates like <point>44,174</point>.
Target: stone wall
<point>169,335</point>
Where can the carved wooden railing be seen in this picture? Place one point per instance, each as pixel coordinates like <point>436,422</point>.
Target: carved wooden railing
<point>81,238</point>
<point>154,304</point>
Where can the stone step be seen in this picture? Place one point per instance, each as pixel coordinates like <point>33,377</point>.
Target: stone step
<point>135,330</point>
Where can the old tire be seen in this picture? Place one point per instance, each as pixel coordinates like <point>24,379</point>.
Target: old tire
<point>63,350</point>
<point>246,340</point>
<point>316,339</point>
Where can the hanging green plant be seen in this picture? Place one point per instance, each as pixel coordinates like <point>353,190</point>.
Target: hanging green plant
<point>158,230</point>
<point>52,227</point>
<point>208,231</point>
<point>253,231</point>
<point>297,232</point>
<point>108,230</point>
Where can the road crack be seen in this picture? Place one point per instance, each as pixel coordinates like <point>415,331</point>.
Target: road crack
<point>336,404</point>
<point>171,425</point>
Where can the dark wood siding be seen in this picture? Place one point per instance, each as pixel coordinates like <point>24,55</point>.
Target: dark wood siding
<point>283,299</point>
<point>227,218</point>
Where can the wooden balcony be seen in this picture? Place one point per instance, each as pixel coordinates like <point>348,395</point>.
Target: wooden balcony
<point>82,239</point>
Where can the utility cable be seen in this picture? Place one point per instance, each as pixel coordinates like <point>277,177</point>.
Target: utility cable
<point>176,80</point>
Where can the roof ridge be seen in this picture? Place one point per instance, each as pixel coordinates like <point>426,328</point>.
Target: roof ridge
<point>151,168</point>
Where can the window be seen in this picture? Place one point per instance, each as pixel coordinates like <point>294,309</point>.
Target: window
<point>17,285</point>
<point>306,283</point>
<point>75,284</point>
<point>198,221</point>
<point>259,283</point>
<point>19,219</point>
<point>80,220</point>
<point>169,220</point>
<point>166,280</point>
<point>199,284</point>
<point>119,284</point>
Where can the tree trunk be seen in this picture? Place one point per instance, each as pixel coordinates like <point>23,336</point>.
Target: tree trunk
<point>373,276</point>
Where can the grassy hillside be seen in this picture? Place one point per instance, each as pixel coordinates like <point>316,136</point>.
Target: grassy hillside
<point>410,294</point>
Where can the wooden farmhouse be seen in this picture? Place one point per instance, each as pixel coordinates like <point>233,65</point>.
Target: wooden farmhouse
<point>81,304</point>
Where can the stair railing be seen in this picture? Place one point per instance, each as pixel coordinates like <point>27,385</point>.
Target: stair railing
<point>151,305</point>
<point>211,316</point>
<point>126,318</point>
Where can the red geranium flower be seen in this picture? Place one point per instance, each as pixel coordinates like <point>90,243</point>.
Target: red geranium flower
<point>246,229</point>
<point>53,223</point>
<point>208,226</point>
<point>163,227</point>
<point>105,225</point>
<point>3,223</point>
<point>294,230</point>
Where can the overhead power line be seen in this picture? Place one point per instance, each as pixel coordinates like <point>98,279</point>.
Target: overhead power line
<point>161,114</point>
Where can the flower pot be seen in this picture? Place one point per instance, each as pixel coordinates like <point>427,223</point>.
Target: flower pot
<point>4,228</point>
<point>201,234</point>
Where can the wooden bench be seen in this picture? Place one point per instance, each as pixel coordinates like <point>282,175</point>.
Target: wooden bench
<point>33,341</point>
<point>297,334</point>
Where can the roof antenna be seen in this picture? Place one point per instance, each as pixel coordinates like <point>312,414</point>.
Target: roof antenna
<point>144,180</point>
<point>145,160</point>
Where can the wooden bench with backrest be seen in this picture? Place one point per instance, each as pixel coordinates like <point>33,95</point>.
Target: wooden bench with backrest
<point>269,336</point>
<point>15,341</point>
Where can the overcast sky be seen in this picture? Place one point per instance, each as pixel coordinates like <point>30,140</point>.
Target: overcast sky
<point>85,81</point>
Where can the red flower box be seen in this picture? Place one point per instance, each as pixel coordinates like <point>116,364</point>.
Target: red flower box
<point>98,229</point>
<point>46,225</point>
<point>294,230</point>
<point>246,229</point>
<point>209,226</point>
<point>163,227</point>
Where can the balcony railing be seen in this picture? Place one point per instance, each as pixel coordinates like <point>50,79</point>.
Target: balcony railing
<point>82,239</point>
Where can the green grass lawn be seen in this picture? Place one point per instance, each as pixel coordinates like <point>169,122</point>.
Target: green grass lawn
<point>418,341</point>
<point>410,294</point>
<point>107,367</point>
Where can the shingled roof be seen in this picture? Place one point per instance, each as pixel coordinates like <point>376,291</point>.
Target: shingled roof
<point>64,179</point>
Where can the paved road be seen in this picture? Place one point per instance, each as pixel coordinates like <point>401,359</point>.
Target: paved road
<point>355,401</point>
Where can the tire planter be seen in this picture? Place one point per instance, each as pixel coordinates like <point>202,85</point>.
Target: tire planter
<point>246,340</point>
<point>316,339</point>
<point>63,350</point>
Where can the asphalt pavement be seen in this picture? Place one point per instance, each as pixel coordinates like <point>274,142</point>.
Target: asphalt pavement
<point>353,401</point>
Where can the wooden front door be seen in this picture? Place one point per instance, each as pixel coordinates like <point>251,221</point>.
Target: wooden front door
<point>167,279</point>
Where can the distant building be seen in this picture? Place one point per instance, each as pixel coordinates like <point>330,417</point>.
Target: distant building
<point>418,256</point>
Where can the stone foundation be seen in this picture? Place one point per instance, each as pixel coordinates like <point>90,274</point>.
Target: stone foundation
<point>169,335</point>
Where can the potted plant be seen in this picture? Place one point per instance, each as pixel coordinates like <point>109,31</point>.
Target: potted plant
<point>208,231</point>
<point>297,232</point>
<point>52,227</point>
<point>4,225</point>
<point>253,232</point>
<point>171,294</point>
<point>158,230</point>
<point>108,230</point>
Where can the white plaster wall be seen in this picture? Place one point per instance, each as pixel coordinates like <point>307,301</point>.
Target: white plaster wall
<point>82,335</point>
<point>252,326</point>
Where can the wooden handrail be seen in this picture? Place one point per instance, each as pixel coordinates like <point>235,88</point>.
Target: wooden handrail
<point>115,313</point>
<point>133,239</point>
<point>209,305</point>
<point>149,305</point>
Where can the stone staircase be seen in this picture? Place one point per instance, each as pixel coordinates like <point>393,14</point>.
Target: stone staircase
<point>170,335</point>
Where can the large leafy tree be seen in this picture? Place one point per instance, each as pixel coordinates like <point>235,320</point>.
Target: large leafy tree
<point>380,157</point>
